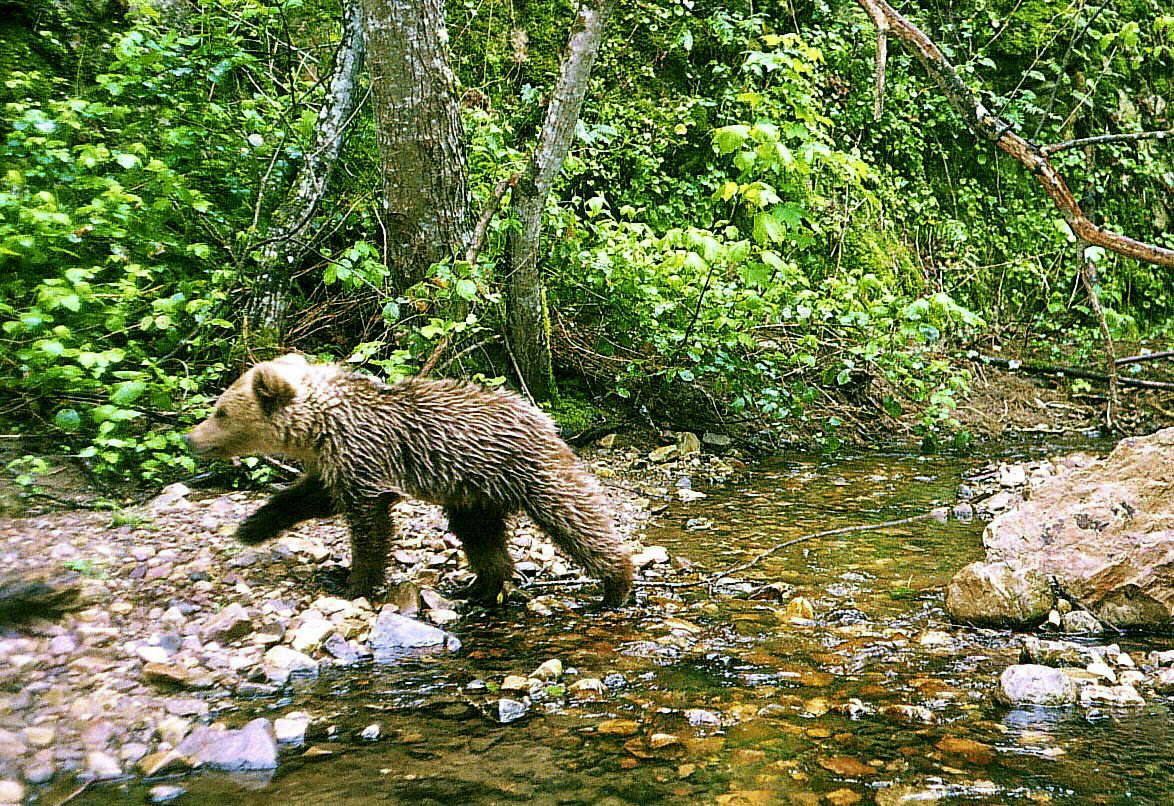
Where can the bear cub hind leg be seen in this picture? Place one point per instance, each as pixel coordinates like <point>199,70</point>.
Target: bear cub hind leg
<point>482,534</point>
<point>370,520</point>
<point>305,499</point>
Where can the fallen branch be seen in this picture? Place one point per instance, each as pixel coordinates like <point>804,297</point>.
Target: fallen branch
<point>940,514</point>
<point>1135,359</point>
<point>1033,368</point>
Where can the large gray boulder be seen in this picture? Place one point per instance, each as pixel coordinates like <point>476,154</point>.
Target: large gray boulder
<point>1104,531</point>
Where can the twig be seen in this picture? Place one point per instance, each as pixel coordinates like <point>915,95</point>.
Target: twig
<point>1056,148</point>
<point>882,55</point>
<point>1094,301</point>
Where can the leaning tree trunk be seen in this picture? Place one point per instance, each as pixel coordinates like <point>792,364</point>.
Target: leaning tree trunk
<point>528,325</point>
<point>285,244</point>
<point>421,138</point>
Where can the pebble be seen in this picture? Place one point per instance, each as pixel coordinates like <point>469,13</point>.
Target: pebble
<point>549,670</point>
<point>11,792</point>
<point>162,793</point>
<point>291,728</point>
<point>510,710</point>
<point>371,733</point>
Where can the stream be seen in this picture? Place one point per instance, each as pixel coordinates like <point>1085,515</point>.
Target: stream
<point>717,697</point>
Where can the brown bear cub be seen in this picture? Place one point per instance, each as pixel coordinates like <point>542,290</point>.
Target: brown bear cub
<point>479,453</point>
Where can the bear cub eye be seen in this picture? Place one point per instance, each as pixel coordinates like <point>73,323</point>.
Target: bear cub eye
<point>220,413</point>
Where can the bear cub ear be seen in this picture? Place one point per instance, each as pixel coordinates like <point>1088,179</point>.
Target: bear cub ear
<point>274,384</point>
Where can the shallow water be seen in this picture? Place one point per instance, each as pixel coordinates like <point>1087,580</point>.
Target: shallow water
<point>800,708</point>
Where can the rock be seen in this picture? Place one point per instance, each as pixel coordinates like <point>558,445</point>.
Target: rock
<point>172,729</point>
<point>310,635</point>
<point>1051,653</point>
<point>1164,682</point>
<point>1032,684</point>
<point>1101,670</point>
<point>441,616</point>
<point>687,443</point>
<point>799,609</point>
<point>11,792</point>
<point>1104,531</point>
<point>607,441</point>
<point>618,727</point>
<point>281,661</point>
<point>164,762</point>
<point>291,728</point>
<point>1162,658</point>
<point>549,670</point>
<point>514,684</point>
<point>589,688</point>
<point>173,496</point>
<point>172,674</point>
<point>40,735</point>
<point>164,793</point>
<point>663,454</point>
<point>371,733</point>
<point>650,555</point>
<point>404,597</point>
<point>153,654</point>
<point>686,495</point>
<point>699,717</point>
<point>229,624</point>
<point>1012,475</point>
<point>715,441</point>
<point>102,766</point>
<point>510,710</point>
<point>1110,695</point>
<point>993,594</point>
<point>1080,622</point>
<point>395,635</point>
<point>252,747</point>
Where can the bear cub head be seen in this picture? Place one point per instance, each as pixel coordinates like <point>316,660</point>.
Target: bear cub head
<point>244,420</point>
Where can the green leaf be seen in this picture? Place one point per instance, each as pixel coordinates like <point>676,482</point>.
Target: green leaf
<point>728,138</point>
<point>68,420</point>
<point>127,161</point>
<point>767,229</point>
<point>126,393</point>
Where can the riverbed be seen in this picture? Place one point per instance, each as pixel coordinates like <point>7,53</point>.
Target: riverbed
<point>731,695</point>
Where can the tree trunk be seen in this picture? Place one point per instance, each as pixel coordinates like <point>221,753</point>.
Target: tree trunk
<point>421,138</point>
<point>285,244</point>
<point>528,323</point>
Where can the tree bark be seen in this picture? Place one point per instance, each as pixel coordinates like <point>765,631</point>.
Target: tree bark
<point>421,137</point>
<point>528,322</point>
<point>284,247</point>
<point>1088,279</point>
<point>986,125</point>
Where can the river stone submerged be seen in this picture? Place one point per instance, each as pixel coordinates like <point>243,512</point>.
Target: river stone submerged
<point>1032,684</point>
<point>253,747</point>
<point>394,636</point>
<point>1104,531</point>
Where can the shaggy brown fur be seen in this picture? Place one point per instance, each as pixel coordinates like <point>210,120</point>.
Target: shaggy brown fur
<point>481,454</point>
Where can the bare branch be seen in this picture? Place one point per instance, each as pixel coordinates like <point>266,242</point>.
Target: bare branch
<point>1056,148</point>
<point>987,125</point>
<point>882,56</point>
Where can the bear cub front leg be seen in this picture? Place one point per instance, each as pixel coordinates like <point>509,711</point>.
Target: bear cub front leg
<point>305,499</point>
<point>370,520</point>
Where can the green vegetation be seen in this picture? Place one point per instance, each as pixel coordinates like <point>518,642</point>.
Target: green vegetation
<point>733,237</point>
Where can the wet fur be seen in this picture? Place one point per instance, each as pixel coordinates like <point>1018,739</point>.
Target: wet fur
<point>479,453</point>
